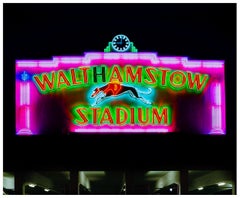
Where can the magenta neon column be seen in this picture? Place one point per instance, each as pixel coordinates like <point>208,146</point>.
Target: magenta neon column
<point>217,109</point>
<point>24,109</point>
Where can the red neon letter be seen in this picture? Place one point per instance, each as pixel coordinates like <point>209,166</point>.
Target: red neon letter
<point>164,113</point>
<point>82,116</point>
<point>85,76</point>
<point>132,115</point>
<point>62,75</point>
<point>95,115</point>
<point>118,114</point>
<point>164,74</point>
<point>45,81</point>
<point>183,79</point>
<point>74,81</point>
<point>118,75</point>
<point>196,81</point>
<point>133,77</point>
<point>108,118</point>
<point>151,76</point>
<point>140,116</point>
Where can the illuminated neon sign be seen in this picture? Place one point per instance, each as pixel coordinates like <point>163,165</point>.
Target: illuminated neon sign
<point>121,93</point>
<point>146,76</point>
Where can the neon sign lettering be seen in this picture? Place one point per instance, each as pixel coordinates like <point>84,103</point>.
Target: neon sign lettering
<point>147,76</point>
<point>83,115</point>
<point>123,93</point>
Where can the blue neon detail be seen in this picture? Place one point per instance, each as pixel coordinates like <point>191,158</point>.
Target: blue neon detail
<point>117,48</point>
<point>24,76</point>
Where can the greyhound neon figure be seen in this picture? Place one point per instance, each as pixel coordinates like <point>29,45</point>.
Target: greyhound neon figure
<point>114,88</point>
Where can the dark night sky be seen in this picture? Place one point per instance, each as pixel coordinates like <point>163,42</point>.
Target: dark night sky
<point>40,31</point>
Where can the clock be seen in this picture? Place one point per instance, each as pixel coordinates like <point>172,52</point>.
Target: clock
<point>120,43</point>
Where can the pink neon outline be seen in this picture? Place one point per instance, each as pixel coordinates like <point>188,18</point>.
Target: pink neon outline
<point>140,58</point>
<point>124,129</point>
<point>169,60</point>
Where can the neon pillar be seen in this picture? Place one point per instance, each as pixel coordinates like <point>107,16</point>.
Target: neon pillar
<point>24,109</point>
<point>24,104</point>
<point>25,94</point>
<point>217,109</point>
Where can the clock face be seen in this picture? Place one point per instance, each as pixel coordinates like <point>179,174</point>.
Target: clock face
<point>120,43</point>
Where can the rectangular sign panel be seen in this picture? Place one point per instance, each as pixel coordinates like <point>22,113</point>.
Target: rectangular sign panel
<point>131,92</point>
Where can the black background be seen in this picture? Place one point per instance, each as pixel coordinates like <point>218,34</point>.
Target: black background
<point>198,31</point>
